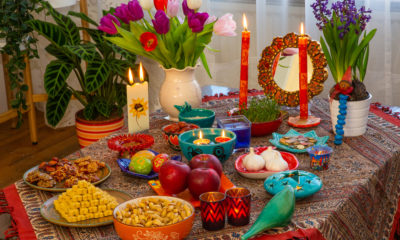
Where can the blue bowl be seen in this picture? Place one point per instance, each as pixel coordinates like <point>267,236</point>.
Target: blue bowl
<point>199,116</point>
<point>221,150</point>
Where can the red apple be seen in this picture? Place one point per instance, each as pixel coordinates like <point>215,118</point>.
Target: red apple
<point>173,176</point>
<point>159,160</point>
<point>206,161</point>
<point>203,180</point>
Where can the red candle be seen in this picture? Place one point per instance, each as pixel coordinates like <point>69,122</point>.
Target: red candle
<point>222,138</point>
<point>303,42</point>
<point>244,66</point>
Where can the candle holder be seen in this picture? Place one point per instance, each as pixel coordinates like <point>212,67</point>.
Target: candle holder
<point>241,126</point>
<point>320,156</point>
<point>212,206</point>
<point>238,206</point>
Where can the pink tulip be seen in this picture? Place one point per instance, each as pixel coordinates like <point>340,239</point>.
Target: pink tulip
<point>172,8</point>
<point>225,26</point>
<point>211,19</point>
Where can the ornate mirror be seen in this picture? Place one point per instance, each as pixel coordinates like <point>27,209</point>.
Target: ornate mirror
<point>278,69</point>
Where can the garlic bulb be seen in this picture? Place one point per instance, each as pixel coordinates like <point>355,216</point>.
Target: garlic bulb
<point>273,160</point>
<point>253,162</point>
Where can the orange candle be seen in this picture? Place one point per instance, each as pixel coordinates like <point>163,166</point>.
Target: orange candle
<point>201,140</point>
<point>303,42</point>
<point>222,138</point>
<point>244,66</point>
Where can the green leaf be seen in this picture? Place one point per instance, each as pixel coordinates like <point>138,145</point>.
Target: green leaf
<point>328,59</point>
<point>24,87</point>
<point>68,26</point>
<point>362,45</point>
<point>95,34</point>
<point>56,106</point>
<point>50,31</point>
<point>86,51</point>
<point>59,52</point>
<point>83,17</point>
<point>205,64</point>
<point>120,67</point>
<point>121,94</point>
<point>124,53</point>
<point>89,112</point>
<point>103,107</point>
<point>55,76</point>
<point>96,74</point>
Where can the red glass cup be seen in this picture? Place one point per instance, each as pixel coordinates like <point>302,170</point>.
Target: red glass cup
<point>212,206</point>
<point>238,206</point>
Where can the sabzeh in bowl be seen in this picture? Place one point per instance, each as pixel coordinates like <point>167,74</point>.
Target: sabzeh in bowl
<point>264,114</point>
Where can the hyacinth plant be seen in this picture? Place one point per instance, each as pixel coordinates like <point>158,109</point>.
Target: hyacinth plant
<point>345,40</point>
<point>170,40</point>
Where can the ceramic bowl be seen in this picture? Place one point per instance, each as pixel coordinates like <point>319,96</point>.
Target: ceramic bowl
<point>199,116</point>
<point>221,150</point>
<point>178,230</point>
<point>172,138</point>
<point>291,159</point>
<point>265,128</point>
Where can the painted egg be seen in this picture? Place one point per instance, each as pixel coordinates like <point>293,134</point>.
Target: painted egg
<point>141,165</point>
<point>158,161</point>
<point>145,153</point>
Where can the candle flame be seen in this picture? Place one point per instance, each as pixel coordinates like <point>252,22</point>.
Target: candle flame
<point>223,133</point>
<point>244,22</point>
<point>200,135</point>
<point>301,28</point>
<point>141,74</point>
<point>130,76</point>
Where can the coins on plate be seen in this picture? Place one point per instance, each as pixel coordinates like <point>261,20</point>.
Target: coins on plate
<point>154,212</point>
<point>298,142</point>
<point>84,201</point>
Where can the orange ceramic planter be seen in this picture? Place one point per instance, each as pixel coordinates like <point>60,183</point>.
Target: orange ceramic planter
<point>91,131</point>
<point>175,231</point>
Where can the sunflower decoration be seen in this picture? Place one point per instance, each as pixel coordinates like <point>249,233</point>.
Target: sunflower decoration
<point>138,107</point>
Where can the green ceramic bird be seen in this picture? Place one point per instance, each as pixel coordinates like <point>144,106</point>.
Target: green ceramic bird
<point>277,213</point>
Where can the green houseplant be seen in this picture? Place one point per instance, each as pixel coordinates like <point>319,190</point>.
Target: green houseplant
<point>101,89</point>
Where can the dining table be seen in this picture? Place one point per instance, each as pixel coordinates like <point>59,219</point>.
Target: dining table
<point>359,198</point>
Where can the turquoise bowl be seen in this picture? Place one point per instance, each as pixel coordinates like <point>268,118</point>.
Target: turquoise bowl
<point>221,150</point>
<point>199,116</point>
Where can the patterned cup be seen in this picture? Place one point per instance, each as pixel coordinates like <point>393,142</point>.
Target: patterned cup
<point>212,205</point>
<point>238,206</point>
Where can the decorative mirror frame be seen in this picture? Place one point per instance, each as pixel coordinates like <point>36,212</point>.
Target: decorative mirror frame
<point>267,66</point>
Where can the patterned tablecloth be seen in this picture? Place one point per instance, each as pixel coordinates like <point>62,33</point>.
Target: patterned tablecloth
<point>358,199</point>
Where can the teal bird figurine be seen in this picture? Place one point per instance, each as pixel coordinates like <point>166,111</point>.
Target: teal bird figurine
<point>277,213</point>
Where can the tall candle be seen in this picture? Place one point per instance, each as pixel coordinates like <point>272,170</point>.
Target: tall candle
<point>138,102</point>
<point>244,66</point>
<point>303,42</point>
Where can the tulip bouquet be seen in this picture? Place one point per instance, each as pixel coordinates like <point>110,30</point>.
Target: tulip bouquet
<point>170,40</point>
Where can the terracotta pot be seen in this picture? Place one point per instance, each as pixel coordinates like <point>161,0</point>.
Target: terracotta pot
<point>91,131</point>
<point>265,128</point>
<point>356,117</point>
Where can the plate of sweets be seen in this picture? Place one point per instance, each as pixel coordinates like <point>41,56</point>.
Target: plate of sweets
<point>83,205</point>
<point>263,162</point>
<point>296,142</point>
<point>203,174</point>
<point>57,175</point>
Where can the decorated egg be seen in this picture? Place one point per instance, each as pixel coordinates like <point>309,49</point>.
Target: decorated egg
<point>145,153</point>
<point>141,165</point>
<point>158,161</point>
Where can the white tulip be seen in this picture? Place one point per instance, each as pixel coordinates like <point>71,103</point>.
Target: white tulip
<point>146,4</point>
<point>194,4</point>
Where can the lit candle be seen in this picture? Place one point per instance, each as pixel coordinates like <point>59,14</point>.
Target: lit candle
<point>244,66</point>
<point>201,140</point>
<point>137,102</point>
<point>303,42</point>
<point>222,138</point>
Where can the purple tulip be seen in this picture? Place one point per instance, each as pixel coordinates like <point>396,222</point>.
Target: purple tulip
<point>131,12</point>
<point>186,10</point>
<point>107,24</point>
<point>196,21</point>
<point>161,22</point>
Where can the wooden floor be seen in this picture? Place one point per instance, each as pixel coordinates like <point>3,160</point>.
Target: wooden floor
<point>17,154</point>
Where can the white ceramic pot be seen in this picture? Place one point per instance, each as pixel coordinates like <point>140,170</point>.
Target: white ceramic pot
<point>179,86</point>
<point>356,117</point>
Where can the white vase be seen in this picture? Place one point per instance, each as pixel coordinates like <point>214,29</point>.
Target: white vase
<point>179,86</point>
<point>356,117</point>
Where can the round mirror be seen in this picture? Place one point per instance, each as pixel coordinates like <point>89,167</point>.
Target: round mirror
<point>279,70</point>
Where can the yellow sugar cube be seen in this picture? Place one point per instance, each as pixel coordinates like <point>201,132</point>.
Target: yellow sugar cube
<point>96,215</point>
<point>102,208</point>
<point>84,197</point>
<point>94,202</point>
<point>77,198</point>
<point>101,214</point>
<point>83,211</point>
<point>89,197</point>
<point>107,213</point>
<point>93,209</point>
<point>90,215</point>
<point>75,187</point>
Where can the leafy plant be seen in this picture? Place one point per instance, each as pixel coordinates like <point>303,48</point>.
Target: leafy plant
<point>345,41</point>
<point>18,35</point>
<point>261,110</point>
<point>101,86</point>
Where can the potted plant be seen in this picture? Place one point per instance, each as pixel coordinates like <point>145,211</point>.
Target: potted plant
<point>101,89</point>
<point>264,115</point>
<point>345,43</point>
<point>175,44</point>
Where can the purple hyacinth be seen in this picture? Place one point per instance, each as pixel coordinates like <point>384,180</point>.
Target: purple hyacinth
<point>107,24</point>
<point>196,21</point>
<point>161,22</point>
<point>129,12</point>
<point>186,10</point>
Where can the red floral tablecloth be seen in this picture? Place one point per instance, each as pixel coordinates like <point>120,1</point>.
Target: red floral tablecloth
<point>359,199</point>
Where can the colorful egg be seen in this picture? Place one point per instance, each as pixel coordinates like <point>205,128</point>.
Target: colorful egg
<point>158,161</point>
<point>145,153</point>
<point>140,165</point>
